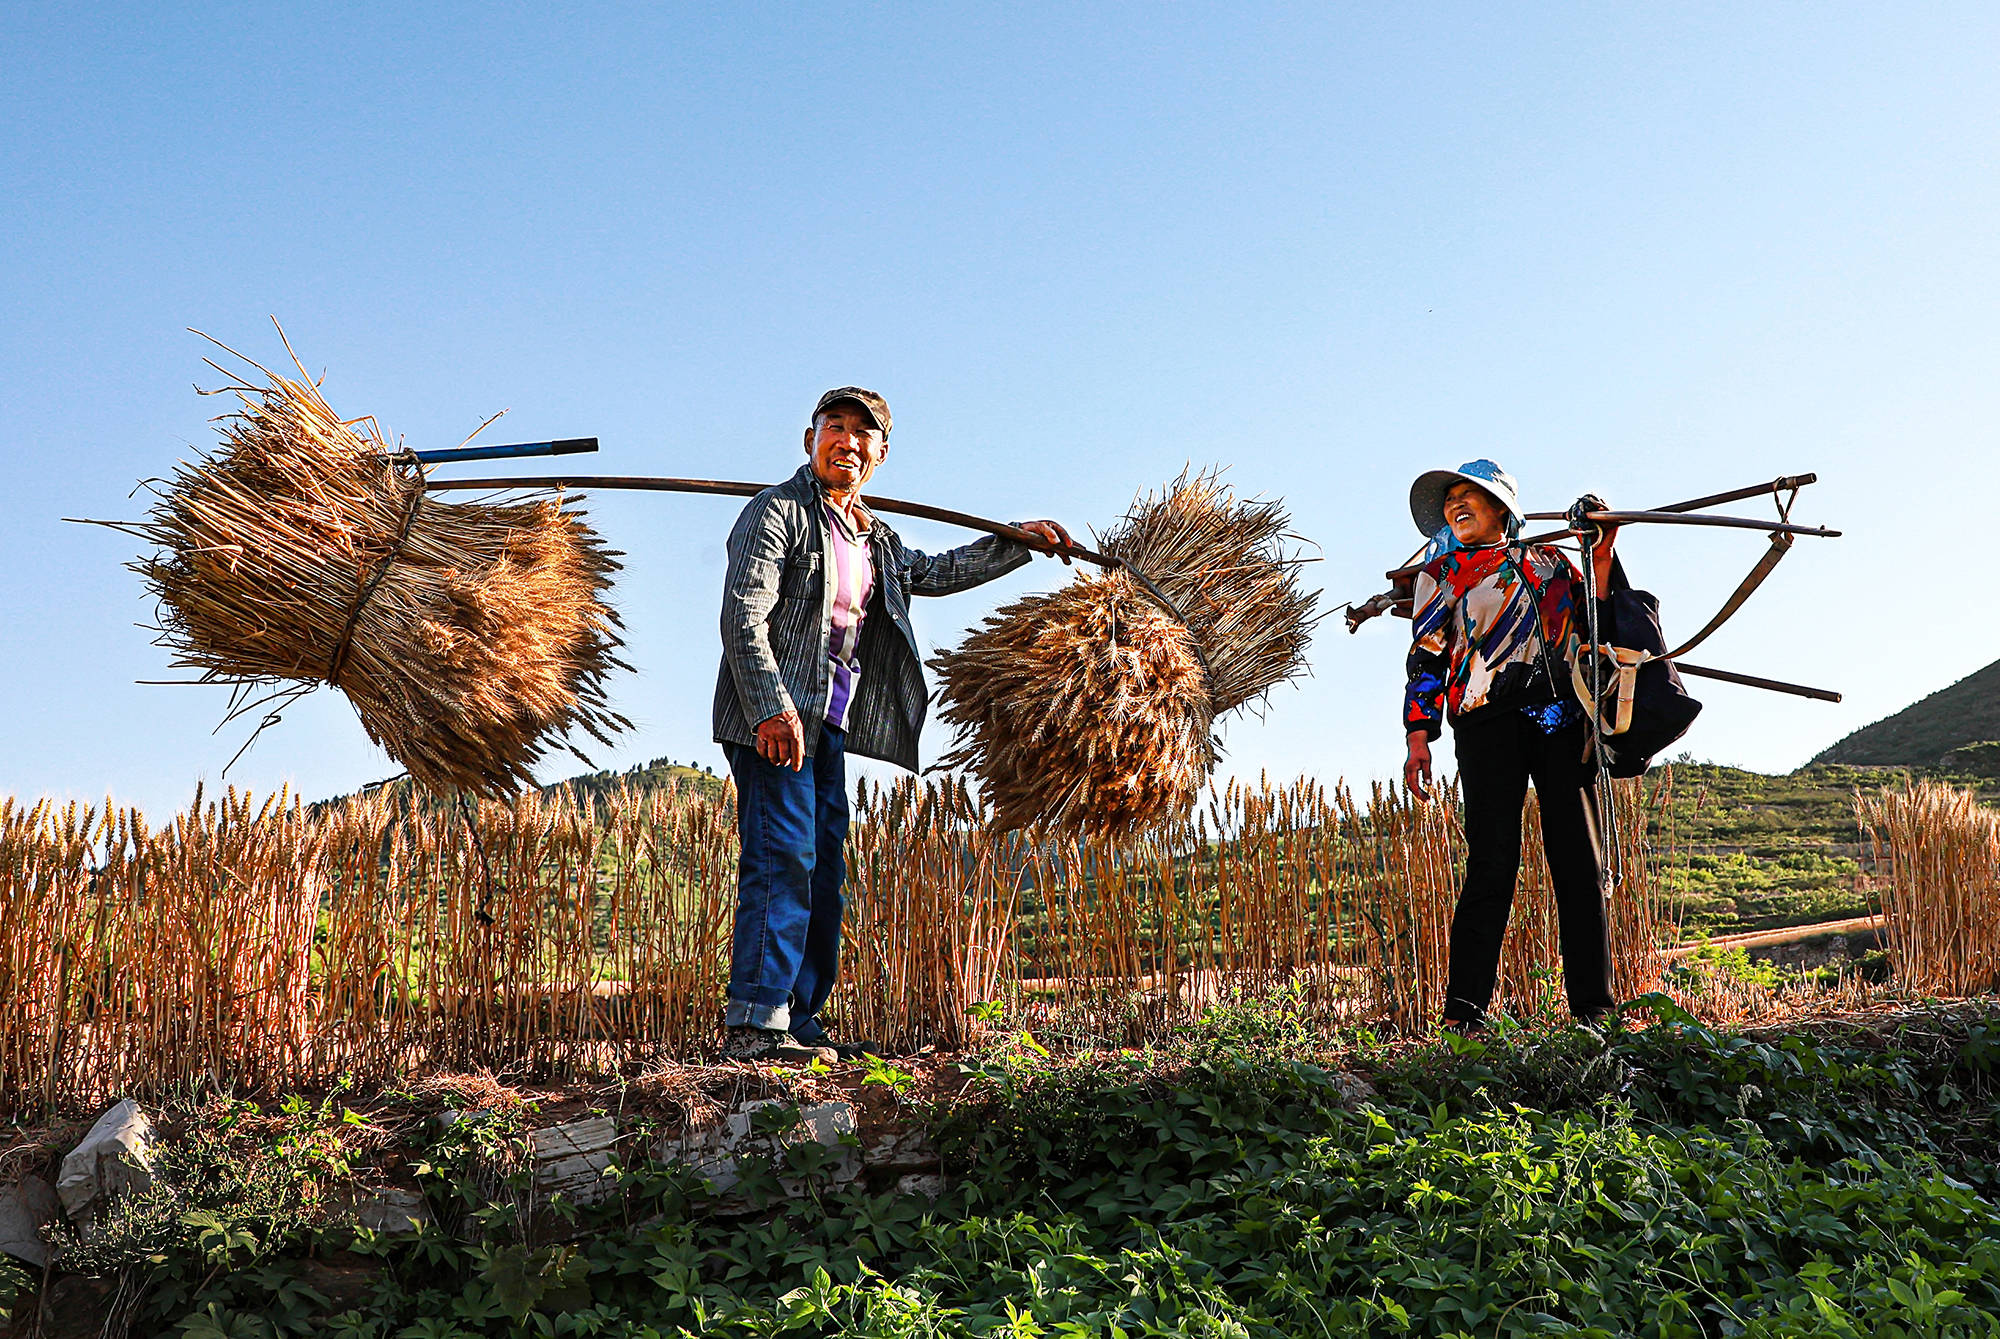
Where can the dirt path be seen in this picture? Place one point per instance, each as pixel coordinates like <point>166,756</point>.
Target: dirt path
<point>1789,934</point>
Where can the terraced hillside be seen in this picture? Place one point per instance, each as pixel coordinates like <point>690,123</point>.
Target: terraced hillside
<point>1952,721</point>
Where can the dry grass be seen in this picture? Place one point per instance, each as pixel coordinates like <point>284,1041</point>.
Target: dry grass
<point>1941,901</point>
<point>267,946</point>
<point>468,636</point>
<point>933,894</point>
<point>1090,710</point>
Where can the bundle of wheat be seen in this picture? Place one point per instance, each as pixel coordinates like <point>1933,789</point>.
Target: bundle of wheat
<point>1090,709</point>
<point>470,637</point>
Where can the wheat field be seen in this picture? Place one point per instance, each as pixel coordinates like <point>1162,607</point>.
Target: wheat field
<point>264,944</point>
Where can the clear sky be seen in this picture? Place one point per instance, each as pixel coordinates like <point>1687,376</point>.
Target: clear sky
<point>1654,250</point>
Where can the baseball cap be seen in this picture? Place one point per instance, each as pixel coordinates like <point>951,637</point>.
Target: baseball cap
<point>877,407</point>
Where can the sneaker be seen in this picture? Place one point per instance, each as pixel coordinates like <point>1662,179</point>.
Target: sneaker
<point>759,1043</point>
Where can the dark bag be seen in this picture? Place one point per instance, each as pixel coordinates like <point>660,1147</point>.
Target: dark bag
<point>1653,708</point>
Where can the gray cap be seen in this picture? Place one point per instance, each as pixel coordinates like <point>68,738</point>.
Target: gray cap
<point>877,407</point>
<point>1427,493</point>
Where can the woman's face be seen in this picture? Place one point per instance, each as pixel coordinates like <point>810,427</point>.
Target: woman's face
<point>1474,515</point>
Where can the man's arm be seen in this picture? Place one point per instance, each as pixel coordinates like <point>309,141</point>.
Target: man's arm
<point>964,567</point>
<point>982,560</point>
<point>749,592</point>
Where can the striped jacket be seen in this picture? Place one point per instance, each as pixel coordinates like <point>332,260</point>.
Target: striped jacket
<point>777,619</point>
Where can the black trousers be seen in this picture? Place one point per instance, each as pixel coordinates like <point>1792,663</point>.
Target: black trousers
<point>1496,759</point>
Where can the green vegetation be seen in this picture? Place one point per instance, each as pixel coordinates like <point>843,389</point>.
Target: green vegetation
<point>655,775</point>
<point>1671,1181</point>
<point>1921,734</point>
<point>1724,894</point>
<point>1755,852</point>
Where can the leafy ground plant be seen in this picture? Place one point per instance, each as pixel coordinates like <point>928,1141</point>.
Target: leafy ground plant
<point>1663,1180</point>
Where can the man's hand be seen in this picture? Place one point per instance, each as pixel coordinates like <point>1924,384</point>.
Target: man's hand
<point>1054,538</point>
<point>1417,768</point>
<point>781,740</point>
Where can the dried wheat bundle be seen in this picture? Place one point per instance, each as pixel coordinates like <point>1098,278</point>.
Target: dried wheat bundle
<point>470,637</point>
<point>1090,709</point>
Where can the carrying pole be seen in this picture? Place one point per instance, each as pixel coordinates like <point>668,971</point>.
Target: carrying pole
<point>1752,681</point>
<point>1784,483</point>
<point>458,455</point>
<point>896,506</point>
<point>1678,518</point>
<point>733,488</point>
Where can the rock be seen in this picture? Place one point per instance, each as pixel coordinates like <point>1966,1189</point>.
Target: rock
<point>393,1212</point>
<point>900,1151</point>
<point>115,1157</point>
<point>24,1207</point>
<point>570,1160</point>
<point>928,1184</point>
<point>714,1151</point>
<point>1354,1090</point>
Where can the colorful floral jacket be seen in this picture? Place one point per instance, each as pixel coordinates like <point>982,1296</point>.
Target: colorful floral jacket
<point>1474,648</point>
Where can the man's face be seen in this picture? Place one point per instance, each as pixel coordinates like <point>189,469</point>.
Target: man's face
<point>845,446</point>
<point>1474,515</point>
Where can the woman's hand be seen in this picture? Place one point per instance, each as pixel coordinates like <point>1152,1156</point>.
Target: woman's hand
<point>1417,768</point>
<point>1054,538</point>
<point>1597,538</point>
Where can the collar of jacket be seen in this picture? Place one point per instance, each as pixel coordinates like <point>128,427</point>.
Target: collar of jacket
<point>806,485</point>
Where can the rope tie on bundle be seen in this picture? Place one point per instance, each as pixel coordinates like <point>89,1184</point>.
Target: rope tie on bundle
<point>484,913</point>
<point>406,465</point>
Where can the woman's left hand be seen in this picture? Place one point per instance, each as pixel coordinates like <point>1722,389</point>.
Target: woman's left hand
<point>1593,533</point>
<point>1597,537</point>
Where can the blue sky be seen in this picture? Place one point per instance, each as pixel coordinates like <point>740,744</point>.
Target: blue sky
<point>1656,251</point>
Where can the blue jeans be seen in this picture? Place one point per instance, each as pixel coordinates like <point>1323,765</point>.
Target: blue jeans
<point>793,828</point>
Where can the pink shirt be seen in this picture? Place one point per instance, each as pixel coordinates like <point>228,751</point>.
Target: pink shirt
<point>853,573</point>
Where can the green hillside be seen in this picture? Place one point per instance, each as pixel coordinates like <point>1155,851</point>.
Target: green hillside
<point>1960,717</point>
<point>655,775</point>
<point>1747,851</point>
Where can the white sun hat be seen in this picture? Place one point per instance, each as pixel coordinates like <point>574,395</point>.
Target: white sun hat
<point>1427,493</point>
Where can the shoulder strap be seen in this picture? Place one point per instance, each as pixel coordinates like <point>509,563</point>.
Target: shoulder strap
<point>1781,544</point>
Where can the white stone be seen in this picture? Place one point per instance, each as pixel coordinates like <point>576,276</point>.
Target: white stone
<point>928,1184</point>
<point>24,1207</point>
<point>116,1156</point>
<point>714,1151</point>
<point>570,1160</point>
<point>901,1150</point>
<point>394,1212</point>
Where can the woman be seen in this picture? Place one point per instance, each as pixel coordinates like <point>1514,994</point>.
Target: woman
<point>1495,624</point>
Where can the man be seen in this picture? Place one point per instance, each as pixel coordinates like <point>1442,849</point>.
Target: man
<point>819,660</point>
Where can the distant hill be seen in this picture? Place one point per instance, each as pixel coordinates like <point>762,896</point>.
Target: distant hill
<point>1921,734</point>
<point>655,775</point>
